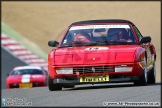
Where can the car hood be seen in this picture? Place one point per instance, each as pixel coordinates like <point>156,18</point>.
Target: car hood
<point>94,54</point>
<point>25,78</point>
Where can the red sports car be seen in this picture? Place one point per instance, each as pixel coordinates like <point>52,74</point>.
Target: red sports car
<point>101,51</point>
<point>26,77</point>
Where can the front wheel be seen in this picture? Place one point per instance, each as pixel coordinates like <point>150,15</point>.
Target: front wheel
<point>152,75</point>
<point>53,87</point>
<point>143,79</point>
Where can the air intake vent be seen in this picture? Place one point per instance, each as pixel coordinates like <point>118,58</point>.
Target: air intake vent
<point>93,69</point>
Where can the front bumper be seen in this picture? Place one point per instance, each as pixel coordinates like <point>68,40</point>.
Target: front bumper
<point>34,84</point>
<point>112,79</point>
<point>137,70</point>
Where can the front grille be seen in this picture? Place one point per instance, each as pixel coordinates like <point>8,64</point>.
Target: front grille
<point>93,69</point>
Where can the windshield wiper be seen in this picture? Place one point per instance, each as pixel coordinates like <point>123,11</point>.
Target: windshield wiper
<point>105,42</point>
<point>78,43</point>
<point>113,42</point>
<point>129,43</point>
<point>84,43</point>
<point>65,45</point>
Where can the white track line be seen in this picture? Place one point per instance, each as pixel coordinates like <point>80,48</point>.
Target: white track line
<point>21,52</point>
<point>3,42</point>
<point>12,47</point>
<point>3,35</point>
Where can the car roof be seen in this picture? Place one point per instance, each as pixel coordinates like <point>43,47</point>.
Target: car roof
<point>27,67</point>
<point>103,21</point>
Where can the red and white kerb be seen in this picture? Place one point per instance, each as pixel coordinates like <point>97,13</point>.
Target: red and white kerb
<point>21,52</point>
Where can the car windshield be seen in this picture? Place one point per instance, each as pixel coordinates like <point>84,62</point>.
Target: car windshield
<point>27,71</point>
<point>98,35</point>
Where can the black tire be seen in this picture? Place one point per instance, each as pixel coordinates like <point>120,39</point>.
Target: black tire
<point>53,87</point>
<point>152,76</point>
<point>143,79</point>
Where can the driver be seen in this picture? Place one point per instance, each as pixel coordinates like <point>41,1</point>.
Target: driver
<point>123,35</point>
<point>117,34</point>
<point>83,37</point>
<point>113,34</point>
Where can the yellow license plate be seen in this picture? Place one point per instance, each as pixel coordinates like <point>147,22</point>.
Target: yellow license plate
<point>25,85</point>
<point>94,78</point>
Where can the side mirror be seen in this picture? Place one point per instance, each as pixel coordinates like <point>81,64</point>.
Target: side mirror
<point>53,43</point>
<point>145,39</point>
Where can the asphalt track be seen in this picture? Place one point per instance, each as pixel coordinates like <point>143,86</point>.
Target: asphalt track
<point>81,95</point>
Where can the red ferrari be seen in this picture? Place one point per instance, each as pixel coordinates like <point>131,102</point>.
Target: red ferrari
<point>26,77</point>
<point>101,51</point>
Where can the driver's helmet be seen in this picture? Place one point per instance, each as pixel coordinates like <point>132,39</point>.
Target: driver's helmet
<point>83,37</point>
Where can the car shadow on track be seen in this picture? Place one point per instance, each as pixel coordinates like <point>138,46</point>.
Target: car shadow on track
<point>110,86</point>
<point>157,83</point>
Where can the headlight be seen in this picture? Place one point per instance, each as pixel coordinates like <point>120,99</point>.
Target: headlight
<point>123,68</point>
<point>64,70</point>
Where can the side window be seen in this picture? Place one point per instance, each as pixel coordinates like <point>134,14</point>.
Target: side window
<point>68,38</point>
<point>137,32</point>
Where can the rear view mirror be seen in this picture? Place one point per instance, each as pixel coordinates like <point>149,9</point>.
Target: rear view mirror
<point>100,30</point>
<point>145,39</point>
<point>53,43</point>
